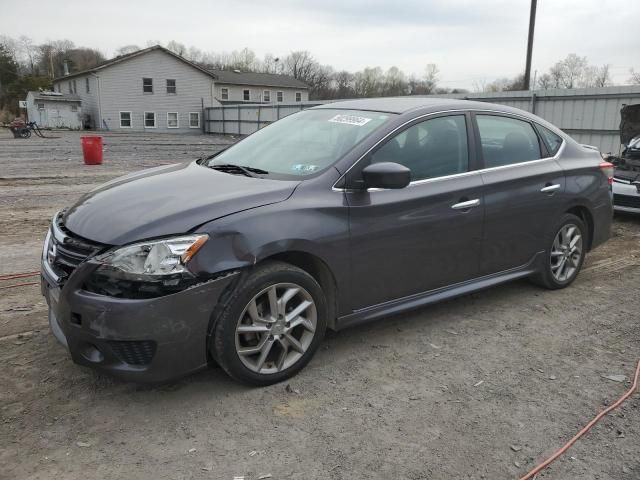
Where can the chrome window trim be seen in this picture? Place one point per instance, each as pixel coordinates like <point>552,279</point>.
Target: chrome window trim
<point>447,177</point>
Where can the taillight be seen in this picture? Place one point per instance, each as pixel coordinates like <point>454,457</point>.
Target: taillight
<point>607,169</point>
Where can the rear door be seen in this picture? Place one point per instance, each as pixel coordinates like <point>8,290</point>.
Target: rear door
<point>428,234</point>
<point>523,186</point>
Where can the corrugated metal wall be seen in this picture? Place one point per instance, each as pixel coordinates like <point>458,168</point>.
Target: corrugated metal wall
<point>243,119</point>
<point>590,115</point>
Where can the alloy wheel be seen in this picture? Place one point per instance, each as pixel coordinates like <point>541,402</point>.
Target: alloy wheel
<point>276,328</point>
<point>566,252</point>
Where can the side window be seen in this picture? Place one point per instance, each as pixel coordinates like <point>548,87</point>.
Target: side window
<point>433,148</point>
<point>551,140</point>
<point>506,140</point>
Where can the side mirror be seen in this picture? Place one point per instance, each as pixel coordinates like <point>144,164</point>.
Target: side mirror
<point>386,175</point>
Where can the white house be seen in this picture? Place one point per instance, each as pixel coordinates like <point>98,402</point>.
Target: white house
<point>156,90</point>
<point>54,110</point>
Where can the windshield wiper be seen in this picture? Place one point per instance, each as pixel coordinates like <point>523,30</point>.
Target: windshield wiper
<point>238,169</point>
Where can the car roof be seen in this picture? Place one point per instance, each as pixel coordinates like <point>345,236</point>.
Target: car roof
<point>406,104</point>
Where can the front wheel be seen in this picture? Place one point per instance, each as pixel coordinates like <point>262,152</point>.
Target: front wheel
<point>565,254</point>
<point>271,326</point>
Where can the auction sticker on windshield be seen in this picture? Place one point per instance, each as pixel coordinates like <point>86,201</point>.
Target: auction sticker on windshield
<point>350,120</point>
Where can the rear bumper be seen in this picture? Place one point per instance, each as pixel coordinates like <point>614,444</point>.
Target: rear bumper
<point>143,340</point>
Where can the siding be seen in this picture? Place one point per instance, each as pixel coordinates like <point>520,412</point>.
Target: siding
<point>121,90</point>
<point>236,93</point>
<point>90,108</point>
<point>56,114</point>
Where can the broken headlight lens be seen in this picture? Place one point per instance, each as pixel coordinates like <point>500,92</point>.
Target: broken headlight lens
<point>154,259</point>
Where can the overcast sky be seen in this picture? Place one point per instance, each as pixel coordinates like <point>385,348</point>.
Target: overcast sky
<point>469,40</point>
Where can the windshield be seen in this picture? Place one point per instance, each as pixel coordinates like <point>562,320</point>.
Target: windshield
<point>303,143</point>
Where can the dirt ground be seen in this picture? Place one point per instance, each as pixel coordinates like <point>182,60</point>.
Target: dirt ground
<point>482,387</point>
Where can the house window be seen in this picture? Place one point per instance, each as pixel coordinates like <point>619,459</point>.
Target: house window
<point>279,96</point>
<point>298,97</point>
<point>41,106</point>
<point>87,85</point>
<point>74,108</point>
<point>75,87</point>
<point>224,93</point>
<point>70,87</point>
<point>172,120</point>
<point>171,86</point>
<point>147,85</point>
<point>149,119</point>
<point>58,88</point>
<point>194,119</point>
<point>266,96</point>
<point>125,119</point>
<point>246,94</point>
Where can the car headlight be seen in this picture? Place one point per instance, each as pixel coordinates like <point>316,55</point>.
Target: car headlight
<point>155,259</point>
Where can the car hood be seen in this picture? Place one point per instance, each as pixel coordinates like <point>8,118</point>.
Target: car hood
<point>629,123</point>
<point>167,200</point>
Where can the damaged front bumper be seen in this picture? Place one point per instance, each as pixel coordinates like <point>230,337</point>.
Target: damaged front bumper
<point>145,340</point>
<point>626,196</point>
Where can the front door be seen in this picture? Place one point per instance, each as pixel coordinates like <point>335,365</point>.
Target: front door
<point>428,234</point>
<point>523,192</point>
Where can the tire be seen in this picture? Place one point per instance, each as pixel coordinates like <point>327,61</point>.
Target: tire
<point>25,133</point>
<point>550,275</point>
<point>290,340</point>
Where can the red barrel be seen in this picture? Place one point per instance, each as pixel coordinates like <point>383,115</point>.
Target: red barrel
<point>92,150</point>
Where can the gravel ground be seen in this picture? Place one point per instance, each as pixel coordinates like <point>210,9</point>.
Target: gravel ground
<point>484,386</point>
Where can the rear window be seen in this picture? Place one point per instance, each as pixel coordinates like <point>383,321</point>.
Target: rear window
<point>506,140</point>
<point>551,140</point>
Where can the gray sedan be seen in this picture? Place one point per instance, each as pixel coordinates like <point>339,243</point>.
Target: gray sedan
<point>337,215</point>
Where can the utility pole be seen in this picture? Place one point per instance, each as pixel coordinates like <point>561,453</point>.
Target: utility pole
<point>532,24</point>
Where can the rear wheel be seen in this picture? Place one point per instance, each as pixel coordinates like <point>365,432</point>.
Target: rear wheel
<point>565,254</point>
<point>271,326</point>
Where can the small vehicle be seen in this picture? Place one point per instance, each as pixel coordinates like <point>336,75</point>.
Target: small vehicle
<point>21,129</point>
<point>334,216</point>
<point>626,180</point>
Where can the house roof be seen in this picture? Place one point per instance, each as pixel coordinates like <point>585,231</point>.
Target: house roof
<point>221,76</point>
<point>54,96</point>
<point>233,77</point>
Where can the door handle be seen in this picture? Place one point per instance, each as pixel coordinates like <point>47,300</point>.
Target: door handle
<point>466,205</point>
<point>550,188</point>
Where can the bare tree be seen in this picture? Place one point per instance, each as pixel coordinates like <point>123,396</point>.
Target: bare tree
<point>301,65</point>
<point>177,47</point>
<point>603,76</point>
<point>635,77</point>
<point>30,53</point>
<point>343,82</point>
<point>126,49</point>
<point>269,64</point>
<point>479,86</point>
<point>368,82</point>
<point>244,60</point>
<point>545,81</point>
<point>394,82</point>
<point>431,78</point>
<point>556,73</point>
